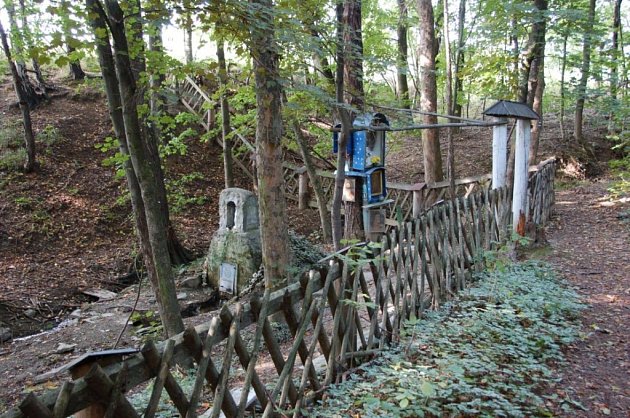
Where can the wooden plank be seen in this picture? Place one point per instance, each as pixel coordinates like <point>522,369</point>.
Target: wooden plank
<point>158,385</point>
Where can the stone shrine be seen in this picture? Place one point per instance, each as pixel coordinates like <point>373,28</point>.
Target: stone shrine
<point>235,252</point>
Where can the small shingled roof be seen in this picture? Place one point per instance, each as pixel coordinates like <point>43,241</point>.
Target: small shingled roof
<point>509,109</point>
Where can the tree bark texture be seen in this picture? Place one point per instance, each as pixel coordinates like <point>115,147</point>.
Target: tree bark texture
<point>353,43</point>
<point>29,138</point>
<point>146,167</point>
<point>536,77</point>
<point>563,88</point>
<point>272,205</point>
<point>74,68</point>
<point>586,62</point>
<point>459,60</point>
<point>320,197</point>
<point>346,121</point>
<point>614,48</point>
<point>32,94</point>
<point>402,66</point>
<point>228,169</point>
<point>355,96</point>
<point>428,93</point>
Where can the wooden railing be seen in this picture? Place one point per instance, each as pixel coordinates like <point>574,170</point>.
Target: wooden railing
<point>338,316</point>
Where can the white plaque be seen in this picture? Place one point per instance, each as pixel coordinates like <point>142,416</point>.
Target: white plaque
<point>227,278</point>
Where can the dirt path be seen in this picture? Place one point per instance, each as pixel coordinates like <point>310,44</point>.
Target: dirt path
<point>591,247</point>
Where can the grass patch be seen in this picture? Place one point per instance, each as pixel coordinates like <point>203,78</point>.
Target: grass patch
<point>486,354</point>
<point>12,151</point>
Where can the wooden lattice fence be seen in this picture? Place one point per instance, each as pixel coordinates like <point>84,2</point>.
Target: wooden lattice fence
<point>338,316</point>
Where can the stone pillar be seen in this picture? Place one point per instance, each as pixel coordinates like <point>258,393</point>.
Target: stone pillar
<point>235,247</point>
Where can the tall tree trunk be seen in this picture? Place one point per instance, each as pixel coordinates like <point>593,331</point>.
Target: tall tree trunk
<point>448,88</point>
<point>536,77</point>
<point>27,36</point>
<point>344,135</point>
<point>586,62</point>
<point>30,93</point>
<point>459,60</point>
<point>614,63</point>
<point>533,55</point>
<point>321,62</point>
<point>228,170</point>
<point>188,32</point>
<point>29,139</point>
<point>143,159</point>
<point>428,93</point>
<point>156,78</point>
<point>353,68</point>
<point>355,96</point>
<point>272,205</point>
<point>537,106</point>
<point>563,87</point>
<point>402,66</point>
<point>515,53</point>
<point>320,197</point>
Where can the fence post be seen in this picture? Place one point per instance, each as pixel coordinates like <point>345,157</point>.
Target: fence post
<point>303,190</point>
<point>499,153</point>
<point>418,200</point>
<point>521,158</point>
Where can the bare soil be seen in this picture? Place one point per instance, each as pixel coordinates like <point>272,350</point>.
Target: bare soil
<point>68,227</point>
<point>590,242</point>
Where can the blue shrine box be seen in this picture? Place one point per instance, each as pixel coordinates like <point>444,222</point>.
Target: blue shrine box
<point>366,148</point>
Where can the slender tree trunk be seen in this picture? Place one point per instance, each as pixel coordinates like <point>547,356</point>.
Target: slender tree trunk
<point>563,87</point>
<point>321,62</point>
<point>272,205</point>
<point>614,64</point>
<point>143,160</point>
<point>355,96</point>
<point>353,68</point>
<point>450,105</point>
<point>538,108</point>
<point>27,36</point>
<point>459,60</point>
<point>320,197</point>
<point>536,78</point>
<point>586,62</point>
<point>30,93</point>
<point>402,64</point>
<point>344,135</point>
<point>428,93</point>
<point>188,34</point>
<point>228,169</point>
<point>29,138</point>
<point>515,60</point>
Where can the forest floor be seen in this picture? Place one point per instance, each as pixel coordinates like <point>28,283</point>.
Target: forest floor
<point>67,229</point>
<point>589,243</point>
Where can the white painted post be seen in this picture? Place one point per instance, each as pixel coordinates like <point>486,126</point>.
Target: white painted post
<point>499,153</point>
<point>521,158</point>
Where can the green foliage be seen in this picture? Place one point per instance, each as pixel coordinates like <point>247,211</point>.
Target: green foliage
<point>179,196</point>
<point>166,408</point>
<point>502,256</point>
<point>485,354</point>
<point>147,325</point>
<point>115,157</point>
<point>4,68</point>
<point>49,135</point>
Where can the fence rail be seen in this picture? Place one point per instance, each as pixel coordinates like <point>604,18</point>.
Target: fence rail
<point>338,316</point>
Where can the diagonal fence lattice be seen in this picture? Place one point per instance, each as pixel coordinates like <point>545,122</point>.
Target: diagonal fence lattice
<point>337,317</point>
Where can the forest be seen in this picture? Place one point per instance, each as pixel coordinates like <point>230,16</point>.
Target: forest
<point>124,120</point>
